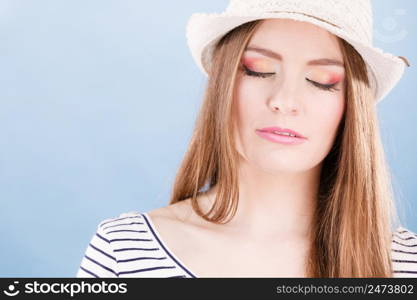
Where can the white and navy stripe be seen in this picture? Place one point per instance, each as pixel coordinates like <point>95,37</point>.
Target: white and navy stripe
<point>404,253</point>
<point>130,246</point>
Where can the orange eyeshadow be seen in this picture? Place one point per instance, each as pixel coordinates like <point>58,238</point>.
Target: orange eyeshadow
<point>259,64</point>
<point>324,77</point>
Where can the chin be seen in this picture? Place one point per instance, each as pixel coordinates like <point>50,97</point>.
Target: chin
<point>277,167</point>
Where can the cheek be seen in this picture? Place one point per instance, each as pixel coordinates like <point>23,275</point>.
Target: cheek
<point>245,118</point>
<point>252,88</point>
<point>247,112</point>
<point>326,117</point>
<point>248,97</point>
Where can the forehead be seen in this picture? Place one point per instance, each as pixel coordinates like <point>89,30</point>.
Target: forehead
<point>296,39</point>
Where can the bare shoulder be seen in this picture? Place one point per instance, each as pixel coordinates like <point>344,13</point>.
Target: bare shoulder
<point>179,216</point>
<point>172,212</point>
<point>181,229</point>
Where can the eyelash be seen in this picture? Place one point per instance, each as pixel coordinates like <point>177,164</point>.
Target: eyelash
<point>326,87</point>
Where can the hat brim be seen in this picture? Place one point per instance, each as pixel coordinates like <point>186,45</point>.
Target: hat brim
<point>205,30</point>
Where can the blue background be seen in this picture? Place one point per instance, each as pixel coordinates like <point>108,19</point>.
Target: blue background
<point>98,101</point>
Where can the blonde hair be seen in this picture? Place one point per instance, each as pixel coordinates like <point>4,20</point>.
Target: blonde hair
<point>355,215</point>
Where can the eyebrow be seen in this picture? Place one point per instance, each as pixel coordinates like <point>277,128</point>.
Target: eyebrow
<point>314,62</point>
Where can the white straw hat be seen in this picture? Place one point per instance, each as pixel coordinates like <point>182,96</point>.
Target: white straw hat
<point>349,19</point>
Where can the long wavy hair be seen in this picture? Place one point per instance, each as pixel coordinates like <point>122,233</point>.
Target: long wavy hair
<point>355,212</point>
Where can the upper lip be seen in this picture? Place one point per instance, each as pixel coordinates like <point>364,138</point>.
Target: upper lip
<point>275,128</point>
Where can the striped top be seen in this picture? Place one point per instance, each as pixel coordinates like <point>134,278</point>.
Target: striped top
<point>130,246</point>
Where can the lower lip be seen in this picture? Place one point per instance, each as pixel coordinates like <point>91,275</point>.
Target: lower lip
<point>282,139</point>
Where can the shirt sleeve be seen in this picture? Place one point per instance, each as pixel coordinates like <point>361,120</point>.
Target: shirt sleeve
<point>99,259</point>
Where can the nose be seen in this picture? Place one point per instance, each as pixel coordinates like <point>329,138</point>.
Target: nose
<point>284,98</point>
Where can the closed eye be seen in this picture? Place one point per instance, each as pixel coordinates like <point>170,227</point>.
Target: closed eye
<point>326,87</point>
<point>256,74</point>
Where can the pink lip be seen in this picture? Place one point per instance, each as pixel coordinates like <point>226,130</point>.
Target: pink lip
<point>287,140</point>
<point>275,128</point>
<point>267,133</point>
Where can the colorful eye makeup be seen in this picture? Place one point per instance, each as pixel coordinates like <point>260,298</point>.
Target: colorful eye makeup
<point>325,77</point>
<point>322,78</point>
<point>260,65</point>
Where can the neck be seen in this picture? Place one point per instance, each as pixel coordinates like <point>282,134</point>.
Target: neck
<point>275,204</point>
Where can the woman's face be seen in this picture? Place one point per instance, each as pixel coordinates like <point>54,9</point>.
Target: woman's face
<point>302,90</point>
